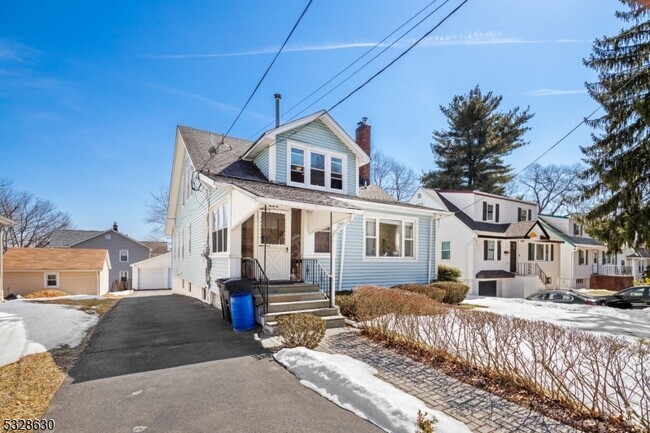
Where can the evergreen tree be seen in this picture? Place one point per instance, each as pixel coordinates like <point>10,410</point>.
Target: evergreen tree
<point>618,176</point>
<point>469,154</point>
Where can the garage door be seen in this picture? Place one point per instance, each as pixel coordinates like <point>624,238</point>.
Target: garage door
<point>152,279</point>
<point>487,288</point>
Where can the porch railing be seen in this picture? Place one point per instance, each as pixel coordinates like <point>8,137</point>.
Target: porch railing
<point>532,269</point>
<point>251,269</point>
<point>609,269</point>
<point>311,271</point>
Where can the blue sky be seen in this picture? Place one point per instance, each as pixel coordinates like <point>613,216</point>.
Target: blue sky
<point>91,92</point>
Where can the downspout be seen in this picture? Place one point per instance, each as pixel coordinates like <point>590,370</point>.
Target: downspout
<point>345,231</point>
<point>332,289</point>
<point>432,241</point>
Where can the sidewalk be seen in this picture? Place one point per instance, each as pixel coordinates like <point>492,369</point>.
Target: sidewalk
<point>481,411</point>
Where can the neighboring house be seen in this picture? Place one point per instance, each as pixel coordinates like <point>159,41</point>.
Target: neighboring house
<point>75,271</point>
<point>290,207</point>
<point>4,222</point>
<point>157,248</point>
<point>497,242</point>
<point>123,250</point>
<point>154,273</point>
<point>638,261</point>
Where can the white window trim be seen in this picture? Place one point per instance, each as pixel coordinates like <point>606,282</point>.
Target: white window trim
<point>495,257</point>
<point>127,256</point>
<point>328,167</point>
<point>441,250</point>
<point>211,228</point>
<point>377,217</point>
<point>58,281</point>
<point>487,212</point>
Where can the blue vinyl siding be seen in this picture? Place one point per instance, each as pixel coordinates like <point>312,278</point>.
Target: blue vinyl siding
<point>316,135</point>
<point>384,271</point>
<point>262,162</point>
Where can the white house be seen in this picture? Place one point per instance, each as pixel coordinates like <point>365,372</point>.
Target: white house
<point>497,242</point>
<point>638,261</point>
<point>153,274</point>
<point>4,222</point>
<point>290,212</point>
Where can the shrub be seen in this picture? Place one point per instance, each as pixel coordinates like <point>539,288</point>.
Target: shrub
<point>425,425</point>
<point>301,329</point>
<point>434,293</point>
<point>347,304</point>
<point>455,293</point>
<point>46,294</point>
<point>448,273</point>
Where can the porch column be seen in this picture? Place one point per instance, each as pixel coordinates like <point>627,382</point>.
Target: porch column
<point>331,277</point>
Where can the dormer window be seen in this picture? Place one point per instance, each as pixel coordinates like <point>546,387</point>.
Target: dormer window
<point>316,169</point>
<point>577,230</point>
<point>490,212</point>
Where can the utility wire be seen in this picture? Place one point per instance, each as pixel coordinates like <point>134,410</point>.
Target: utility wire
<point>269,67</point>
<point>352,64</point>
<point>557,143</point>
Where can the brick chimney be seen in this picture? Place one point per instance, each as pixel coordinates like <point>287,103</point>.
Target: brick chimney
<point>363,140</point>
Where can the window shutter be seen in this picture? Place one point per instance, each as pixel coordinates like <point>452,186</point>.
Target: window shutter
<point>531,252</point>
<point>518,214</point>
<point>496,212</point>
<point>586,257</point>
<point>552,251</point>
<point>580,229</point>
<point>530,215</point>
<point>484,211</point>
<point>485,248</point>
<point>498,248</point>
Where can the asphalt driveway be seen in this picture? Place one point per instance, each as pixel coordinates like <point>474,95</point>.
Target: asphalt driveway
<point>171,364</point>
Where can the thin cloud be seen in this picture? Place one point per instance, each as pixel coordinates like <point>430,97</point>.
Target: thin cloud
<point>554,92</point>
<point>44,116</point>
<point>15,52</point>
<point>222,106</point>
<point>476,38</point>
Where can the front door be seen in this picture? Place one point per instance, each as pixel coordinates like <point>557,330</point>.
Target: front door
<point>513,256</point>
<point>273,249</point>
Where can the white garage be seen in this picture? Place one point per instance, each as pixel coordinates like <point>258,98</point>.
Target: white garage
<point>153,273</point>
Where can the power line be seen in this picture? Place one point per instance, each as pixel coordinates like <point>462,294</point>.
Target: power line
<point>564,137</point>
<point>355,62</point>
<point>269,67</point>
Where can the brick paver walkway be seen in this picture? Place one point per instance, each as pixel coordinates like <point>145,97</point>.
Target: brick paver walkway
<point>480,410</point>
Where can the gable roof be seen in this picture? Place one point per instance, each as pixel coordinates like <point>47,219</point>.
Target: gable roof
<point>572,240</point>
<point>373,192</point>
<point>49,259</point>
<point>65,238</point>
<point>157,248</point>
<point>484,194</point>
<point>640,253</point>
<point>270,136</point>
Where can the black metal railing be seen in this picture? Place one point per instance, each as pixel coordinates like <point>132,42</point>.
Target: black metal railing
<point>251,269</point>
<point>311,271</point>
<point>610,269</point>
<point>530,269</point>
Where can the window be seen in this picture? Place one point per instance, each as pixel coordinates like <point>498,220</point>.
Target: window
<point>124,275</point>
<point>107,236</point>
<point>220,229</point>
<point>523,215</point>
<point>51,280</point>
<point>336,173</point>
<point>124,255</point>
<point>445,253</point>
<point>317,169</point>
<point>595,257</point>
<point>389,238</point>
<point>317,174</point>
<point>490,249</point>
<point>541,252</point>
<point>322,242</point>
<point>577,231</point>
<point>636,293</point>
<point>581,257</point>
<point>490,212</point>
<point>580,280</point>
<point>273,228</point>
<point>297,165</point>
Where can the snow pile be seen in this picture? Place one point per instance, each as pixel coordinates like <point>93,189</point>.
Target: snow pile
<point>352,384</point>
<point>605,320</point>
<point>27,328</point>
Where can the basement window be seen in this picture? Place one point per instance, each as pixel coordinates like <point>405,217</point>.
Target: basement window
<point>52,280</point>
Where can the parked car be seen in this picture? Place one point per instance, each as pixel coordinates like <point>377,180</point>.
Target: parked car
<point>564,297</point>
<point>632,297</point>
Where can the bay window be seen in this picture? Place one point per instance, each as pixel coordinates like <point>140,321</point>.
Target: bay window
<point>220,229</point>
<point>389,238</point>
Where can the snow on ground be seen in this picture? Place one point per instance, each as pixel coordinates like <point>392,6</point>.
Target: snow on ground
<point>605,320</point>
<point>352,384</point>
<point>27,328</point>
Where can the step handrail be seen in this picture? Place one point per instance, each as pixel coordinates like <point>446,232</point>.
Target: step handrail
<point>311,271</point>
<point>251,269</point>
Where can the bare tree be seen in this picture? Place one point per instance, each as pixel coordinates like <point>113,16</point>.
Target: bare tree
<point>34,219</point>
<point>555,188</point>
<point>394,177</point>
<point>157,213</point>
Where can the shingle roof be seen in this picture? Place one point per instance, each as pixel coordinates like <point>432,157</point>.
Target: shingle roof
<point>50,259</point>
<point>157,248</point>
<point>579,240</point>
<point>640,253</point>
<point>373,192</point>
<point>65,238</point>
<point>494,274</point>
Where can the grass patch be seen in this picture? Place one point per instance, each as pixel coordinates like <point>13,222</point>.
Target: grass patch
<point>28,385</point>
<point>469,306</point>
<point>46,294</point>
<point>99,306</point>
<point>599,292</point>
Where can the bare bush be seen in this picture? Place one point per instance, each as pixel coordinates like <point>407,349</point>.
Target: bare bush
<point>599,375</point>
<point>301,330</point>
<point>432,292</point>
<point>455,292</point>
